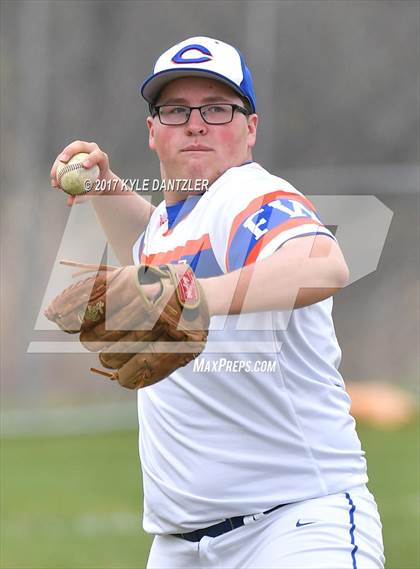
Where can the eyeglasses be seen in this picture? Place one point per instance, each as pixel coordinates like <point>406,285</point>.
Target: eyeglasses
<point>220,113</point>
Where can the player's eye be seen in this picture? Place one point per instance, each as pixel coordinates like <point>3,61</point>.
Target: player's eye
<point>171,110</point>
<point>216,109</point>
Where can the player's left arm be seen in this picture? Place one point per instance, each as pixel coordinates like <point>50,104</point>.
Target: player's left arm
<point>305,270</point>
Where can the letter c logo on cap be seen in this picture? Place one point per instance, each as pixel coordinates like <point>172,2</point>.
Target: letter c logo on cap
<point>178,57</point>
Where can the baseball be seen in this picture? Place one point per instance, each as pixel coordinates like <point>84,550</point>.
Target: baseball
<point>73,178</point>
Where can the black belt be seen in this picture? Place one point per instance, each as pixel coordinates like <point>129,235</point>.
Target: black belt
<point>225,526</point>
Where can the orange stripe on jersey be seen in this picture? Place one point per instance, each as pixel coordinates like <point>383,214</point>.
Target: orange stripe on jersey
<point>273,233</point>
<point>256,204</point>
<point>191,247</point>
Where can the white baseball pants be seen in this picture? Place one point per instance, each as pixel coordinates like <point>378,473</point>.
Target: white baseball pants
<point>340,531</point>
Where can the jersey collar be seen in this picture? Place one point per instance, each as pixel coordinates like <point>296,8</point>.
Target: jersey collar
<point>178,211</point>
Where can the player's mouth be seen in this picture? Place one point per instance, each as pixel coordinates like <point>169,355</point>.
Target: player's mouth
<point>196,148</point>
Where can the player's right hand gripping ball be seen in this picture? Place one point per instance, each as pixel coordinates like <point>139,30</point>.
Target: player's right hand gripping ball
<point>73,178</point>
<point>144,341</point>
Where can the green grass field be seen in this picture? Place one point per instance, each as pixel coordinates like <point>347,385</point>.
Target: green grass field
<point>75,502</point>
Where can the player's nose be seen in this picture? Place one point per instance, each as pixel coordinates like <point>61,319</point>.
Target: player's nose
<point>196,123</point>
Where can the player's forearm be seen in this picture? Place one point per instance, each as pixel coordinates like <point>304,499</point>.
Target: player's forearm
<point>123,215</point>
<point>276,283</point>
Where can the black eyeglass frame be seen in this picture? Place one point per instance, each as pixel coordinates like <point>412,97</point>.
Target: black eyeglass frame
<point>155,110</point>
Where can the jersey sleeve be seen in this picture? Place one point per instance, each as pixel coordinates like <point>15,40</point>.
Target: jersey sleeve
<point>266,223</point>
<point>138,248</point>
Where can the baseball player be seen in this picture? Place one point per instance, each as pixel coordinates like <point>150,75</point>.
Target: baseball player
<point>250,458</point>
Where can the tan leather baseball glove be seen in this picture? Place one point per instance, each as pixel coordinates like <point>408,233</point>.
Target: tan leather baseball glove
<point>142,340</point>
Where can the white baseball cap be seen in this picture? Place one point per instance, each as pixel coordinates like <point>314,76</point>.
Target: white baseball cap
<point>203,57</point>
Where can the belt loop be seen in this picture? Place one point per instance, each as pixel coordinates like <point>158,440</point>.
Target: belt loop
<point>253,518</point>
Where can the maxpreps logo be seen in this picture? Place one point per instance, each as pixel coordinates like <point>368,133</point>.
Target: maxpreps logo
<point>180,57</point>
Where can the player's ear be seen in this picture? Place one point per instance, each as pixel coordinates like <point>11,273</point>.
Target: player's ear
<point>252,129</point>
<point>151,126</point>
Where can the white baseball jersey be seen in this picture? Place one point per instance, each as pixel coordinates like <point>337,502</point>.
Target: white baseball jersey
<point>261,418</point>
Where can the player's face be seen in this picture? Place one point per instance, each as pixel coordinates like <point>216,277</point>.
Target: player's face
<point>197,150</point>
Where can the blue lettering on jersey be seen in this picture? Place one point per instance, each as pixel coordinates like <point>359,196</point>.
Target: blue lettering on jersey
<point>265,218</point>
<point>179,56</point>
<point>255,226</point>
